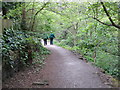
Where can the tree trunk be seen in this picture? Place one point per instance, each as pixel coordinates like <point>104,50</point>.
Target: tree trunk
<point>23,21</point>
<point>29,54</point>
<point>30,27</point>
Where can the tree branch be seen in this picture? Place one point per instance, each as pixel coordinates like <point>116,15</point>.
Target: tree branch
<point>113,24</point>
<point>117,26</point>
<point>102,22</point>
<point>107,13</point>
<point>37,13</point>
<point>41,8</point>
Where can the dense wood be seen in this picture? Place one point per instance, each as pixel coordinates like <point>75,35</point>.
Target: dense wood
<point>76,26</point>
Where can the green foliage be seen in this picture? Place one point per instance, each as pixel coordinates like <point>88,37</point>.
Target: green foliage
<point>19,42</point>
<point>106,51</point>
<point>103,41</point>
<point>96,42</point>
<point>14,41</point>
<point>75,30</point>
<point>108,62</point>
<point>40,56</point>
<point>11,6</point>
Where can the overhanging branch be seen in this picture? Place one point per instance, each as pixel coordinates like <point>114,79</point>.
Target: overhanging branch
<point>109,17</point>
<point>117,26</point>
<point>107,13</point>
<point>37,13</point>
<point>102,22</point>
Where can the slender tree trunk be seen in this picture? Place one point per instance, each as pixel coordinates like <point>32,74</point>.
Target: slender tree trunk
<point>31,29</point>
<point>30,54</point>
<point>95,30</point>
<point>75,32</point>
<point>23,21</point>
<point>34,18</point>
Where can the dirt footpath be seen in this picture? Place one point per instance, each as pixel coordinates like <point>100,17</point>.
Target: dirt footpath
<point>62,70</point>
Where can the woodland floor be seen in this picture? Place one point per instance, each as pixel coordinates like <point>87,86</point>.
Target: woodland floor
<point>63,69</point>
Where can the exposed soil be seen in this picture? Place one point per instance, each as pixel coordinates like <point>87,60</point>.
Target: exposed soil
<point>63,69</point>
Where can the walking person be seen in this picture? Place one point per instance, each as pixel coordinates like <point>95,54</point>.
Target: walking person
<point>45,37</point>
<point>52,36</point>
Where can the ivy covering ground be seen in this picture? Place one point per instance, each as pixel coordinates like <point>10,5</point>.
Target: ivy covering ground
<point>19,50</point>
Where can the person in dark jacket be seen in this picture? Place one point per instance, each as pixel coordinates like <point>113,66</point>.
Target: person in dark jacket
<point>52,36</point>
<point>45,37</point>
